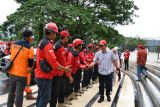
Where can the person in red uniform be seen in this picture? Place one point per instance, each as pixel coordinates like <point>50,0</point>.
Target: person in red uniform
<point>58,82</point>
<point>95,72</point>
<point>89,59</point>
<point>69,48</point>
<point>67,99</point>
<point>82,55</point>
<point>126,59</point>
<point>73,59</point>
<point>141,61</point>
<point>46,62</point>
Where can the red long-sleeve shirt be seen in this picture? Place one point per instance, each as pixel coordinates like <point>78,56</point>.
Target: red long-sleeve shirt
<point>83,58</point>
<point>141,57</point>
<point>126,55</point>
<point>61,58</point>
<point>48,54</point>
<point>73,59</point>
<point>90,57</point>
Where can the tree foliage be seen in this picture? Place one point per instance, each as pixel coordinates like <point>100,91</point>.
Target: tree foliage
<point>84,18</point>
<point>132,43</point>
<point>21,1</point>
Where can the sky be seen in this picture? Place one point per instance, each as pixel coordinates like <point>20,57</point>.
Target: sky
<point>147,25</point>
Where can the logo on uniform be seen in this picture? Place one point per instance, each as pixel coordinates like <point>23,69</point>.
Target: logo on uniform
<point>63,53</point>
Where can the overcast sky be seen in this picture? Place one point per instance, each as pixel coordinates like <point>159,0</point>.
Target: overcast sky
<point>147,25</point>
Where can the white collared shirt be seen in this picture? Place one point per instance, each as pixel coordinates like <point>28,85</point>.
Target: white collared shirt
<point>105,62</point>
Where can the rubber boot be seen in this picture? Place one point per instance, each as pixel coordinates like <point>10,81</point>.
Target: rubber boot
<point>84,89</point>
<point>81,91</point>
<point>78,94</point>
<point>61,105</point>
<point>73,96</point>
<point>68,100</point>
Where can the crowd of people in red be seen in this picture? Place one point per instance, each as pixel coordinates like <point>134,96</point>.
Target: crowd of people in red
<point>65,70</point>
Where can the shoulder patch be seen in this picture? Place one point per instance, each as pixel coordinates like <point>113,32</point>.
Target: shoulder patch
<point>23,43</point>
<point>43,43</point>
<point>57,45</point>
<point>75,54</point>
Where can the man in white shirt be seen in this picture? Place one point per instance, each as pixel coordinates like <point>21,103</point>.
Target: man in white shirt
<point>105,60</point>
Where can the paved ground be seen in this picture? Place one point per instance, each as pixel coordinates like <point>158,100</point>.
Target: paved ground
<point>126,98</point>
<point>81,102</point>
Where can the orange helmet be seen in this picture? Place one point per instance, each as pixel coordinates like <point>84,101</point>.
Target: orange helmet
<point>64,33</point>
<point>52,26</point>
<point>77,42</point>
<point>103,42</point>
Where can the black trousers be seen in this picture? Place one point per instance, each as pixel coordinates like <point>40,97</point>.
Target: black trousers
<point>44,92</point>
<point>105,80</point>
<point>87,75</point>
<point>126,63</point>
<point>58,90</point>
<point>78,77</point>
<point>16,88</point>
<point>90,72</point>
<point>70,87</point>
<point>95,73</point>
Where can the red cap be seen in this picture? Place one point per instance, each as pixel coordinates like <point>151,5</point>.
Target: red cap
<point>103,42</point>
<point>64,33</point>
<point>140,46</point>
<point>90,45</point>
<point>77,42</point>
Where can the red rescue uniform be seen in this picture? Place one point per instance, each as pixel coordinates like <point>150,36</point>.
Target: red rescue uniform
<point>48,54</point>
<point>82,56</point>
<point>61,58</point>
<point>141,57</point>
<point>73,59</point>
<point>90,57</point>
<point>126,55</point>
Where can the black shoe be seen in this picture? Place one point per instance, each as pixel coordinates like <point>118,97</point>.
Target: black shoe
<point>108,98</point>
<point>138,80</point>
<point>145,76</point>
<point>119,78</point>
<point>100,100</point>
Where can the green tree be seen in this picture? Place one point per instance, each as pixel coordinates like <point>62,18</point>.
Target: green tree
<point>132,43</point>
<point>84,18</point>
<point>21,1</point>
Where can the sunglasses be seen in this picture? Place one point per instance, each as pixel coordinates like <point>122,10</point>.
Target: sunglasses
<point>101,45</point>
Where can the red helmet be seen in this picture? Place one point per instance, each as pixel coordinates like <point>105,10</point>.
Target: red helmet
<point>90,45</point>
<point>52,26</point>
<point>77,42</point>
<point>103,42</point>
<point>64,33</point>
